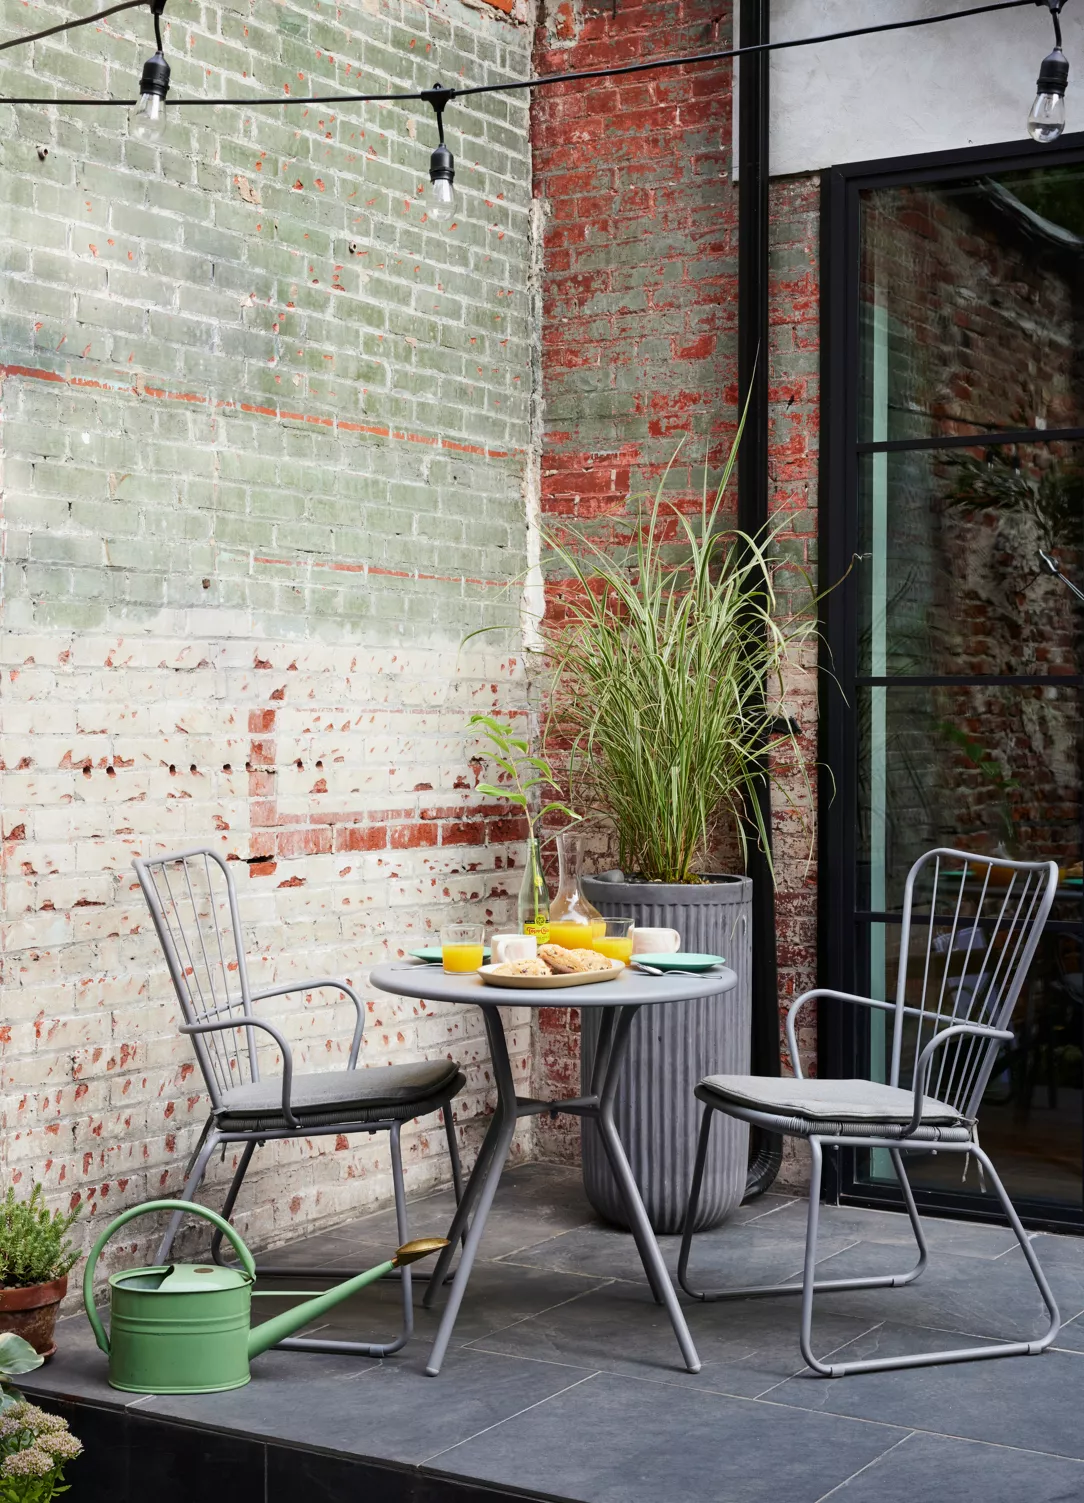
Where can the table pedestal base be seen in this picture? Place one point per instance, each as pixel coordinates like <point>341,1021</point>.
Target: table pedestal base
<point>610,1052</point>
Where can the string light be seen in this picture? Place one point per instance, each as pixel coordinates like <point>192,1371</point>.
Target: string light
<point>1047,118</point>
<point>1045,123</point>
<point>148,120</point>
<point>440,200</point>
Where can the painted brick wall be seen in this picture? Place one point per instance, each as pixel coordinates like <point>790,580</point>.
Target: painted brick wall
<point>264,446</point>
<point>639,349</point>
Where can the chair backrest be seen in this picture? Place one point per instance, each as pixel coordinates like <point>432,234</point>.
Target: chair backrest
<point>193,904</point>
<point>971,926</point>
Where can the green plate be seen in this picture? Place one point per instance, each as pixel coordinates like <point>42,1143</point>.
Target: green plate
<point>680,962</point>
<point>431,954</point>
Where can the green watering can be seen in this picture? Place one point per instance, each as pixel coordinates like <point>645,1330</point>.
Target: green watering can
<point>185,1328</point>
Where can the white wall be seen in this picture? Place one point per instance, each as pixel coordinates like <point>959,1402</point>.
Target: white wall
<point>934,88</point>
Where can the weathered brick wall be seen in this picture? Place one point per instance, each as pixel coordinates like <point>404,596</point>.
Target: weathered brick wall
<point>639,346</point>
<point>264,443</point>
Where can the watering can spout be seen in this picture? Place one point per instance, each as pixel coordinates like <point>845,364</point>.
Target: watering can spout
<point>272,1331</point>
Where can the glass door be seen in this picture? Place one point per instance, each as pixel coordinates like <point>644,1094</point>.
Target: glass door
<point>953,706</point>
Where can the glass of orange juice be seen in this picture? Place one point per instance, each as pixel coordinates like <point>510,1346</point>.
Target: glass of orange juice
<point>616,940</point>
<point>462,946</point>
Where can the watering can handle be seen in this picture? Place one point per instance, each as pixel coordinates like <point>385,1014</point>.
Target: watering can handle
<point>125,1216</point>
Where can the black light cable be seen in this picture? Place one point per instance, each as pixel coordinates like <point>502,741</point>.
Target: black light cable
<point>542,80</point>
<point>1047,118</point>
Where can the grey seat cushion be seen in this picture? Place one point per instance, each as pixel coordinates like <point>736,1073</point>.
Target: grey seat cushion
<point>827,1100</point>
<point>366,1095</point>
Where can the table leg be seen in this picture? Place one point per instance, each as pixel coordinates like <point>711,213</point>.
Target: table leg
<point>501,1131</point>
<point>466,1204</point>
<point>648,1248</point>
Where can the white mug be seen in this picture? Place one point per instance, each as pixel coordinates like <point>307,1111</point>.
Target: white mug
<point>655,941</point>
<point>513,947</point>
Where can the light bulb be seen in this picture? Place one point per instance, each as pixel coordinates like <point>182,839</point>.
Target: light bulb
<point>147,120</point>
<point>440,200</point>
<point>1047,118</point>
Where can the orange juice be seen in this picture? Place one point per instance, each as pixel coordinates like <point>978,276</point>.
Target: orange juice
<point>575,936</point>
<point>617,947</point>
<point>461,957</point>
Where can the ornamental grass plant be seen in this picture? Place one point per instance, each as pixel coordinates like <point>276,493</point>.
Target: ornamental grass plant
<point>669,660</point>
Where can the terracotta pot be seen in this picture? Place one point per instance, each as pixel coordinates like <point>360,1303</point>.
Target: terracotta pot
<point>31,1313</point>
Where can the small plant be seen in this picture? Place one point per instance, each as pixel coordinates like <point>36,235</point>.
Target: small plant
<point>528,774</point>
<point>34,1243</point>
<point>35,1447</point>
<point>512,755</point>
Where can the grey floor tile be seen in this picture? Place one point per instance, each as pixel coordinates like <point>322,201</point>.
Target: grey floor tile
<point>497,1297</point>
<point>736,1253</point>
<point>746,1347</point>
<point>974,1238</point>
<point>612,1439</point>
<point>925,1467</point>
<point>390,1410</point>
<point>995,1298</point>
<point>1029,1402</point>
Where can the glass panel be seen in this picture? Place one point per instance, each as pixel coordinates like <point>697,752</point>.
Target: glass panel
<point>949,579</point>
<point>990,769</point>
<point>1032,1122</point>
<point>972,297</point>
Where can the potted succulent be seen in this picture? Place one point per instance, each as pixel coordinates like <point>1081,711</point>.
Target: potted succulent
<point>35,1258</point>
<point>668,657</point>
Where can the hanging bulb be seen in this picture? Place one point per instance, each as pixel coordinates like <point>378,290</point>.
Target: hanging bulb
<point>147,120</point>
<point>1047,118</point>
<point>440,200</point>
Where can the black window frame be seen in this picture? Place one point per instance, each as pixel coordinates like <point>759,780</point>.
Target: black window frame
<point>842,1032</point>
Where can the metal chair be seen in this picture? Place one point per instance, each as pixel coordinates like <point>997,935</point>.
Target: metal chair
<point>193,904</point>
<point>964,989</point>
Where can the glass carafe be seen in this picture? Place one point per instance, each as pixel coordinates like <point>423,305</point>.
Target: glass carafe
<point>574,922</point>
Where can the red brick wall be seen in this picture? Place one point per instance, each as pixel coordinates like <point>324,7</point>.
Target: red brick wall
<point>639,336</point>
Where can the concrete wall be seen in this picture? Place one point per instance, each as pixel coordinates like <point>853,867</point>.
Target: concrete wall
<point>258,486</point>
<point>935,88</point>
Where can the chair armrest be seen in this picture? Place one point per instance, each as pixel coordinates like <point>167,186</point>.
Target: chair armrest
<point>287,1056</point>
<point>313,985</point>
<point>924,1062</point>
<point>822,991</point>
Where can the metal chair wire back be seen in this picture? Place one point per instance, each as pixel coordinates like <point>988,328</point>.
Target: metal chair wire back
<point>193,905</point>
<point>969,929</point>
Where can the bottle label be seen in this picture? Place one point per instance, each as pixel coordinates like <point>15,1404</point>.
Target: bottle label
<point>541,931</point>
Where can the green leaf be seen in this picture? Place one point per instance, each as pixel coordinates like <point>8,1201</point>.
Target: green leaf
<point>490,791</point>
<point>16,1355</point>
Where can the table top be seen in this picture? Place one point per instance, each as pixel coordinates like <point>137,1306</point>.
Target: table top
<point>412,978</point>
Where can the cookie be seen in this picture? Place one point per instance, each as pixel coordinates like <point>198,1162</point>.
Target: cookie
<point>521,968</point>
<point>572,962</point>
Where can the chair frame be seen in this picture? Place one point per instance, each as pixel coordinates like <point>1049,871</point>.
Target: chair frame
<point>225,1015</point>
<point>896,1138</point>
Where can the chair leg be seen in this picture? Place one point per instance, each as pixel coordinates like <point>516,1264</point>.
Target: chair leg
<point>231,1200</point>
<point>821,1286</point>
<point>374,1349</point>
<point>453,1150</point>
<point>208,1143</point>
<point>962,1354</point>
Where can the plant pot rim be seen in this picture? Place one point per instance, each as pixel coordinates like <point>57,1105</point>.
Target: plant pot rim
<point>32,1296</point>
<point>624,888</point>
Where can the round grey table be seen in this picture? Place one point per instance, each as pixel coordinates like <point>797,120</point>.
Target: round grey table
<point>619,1001</point>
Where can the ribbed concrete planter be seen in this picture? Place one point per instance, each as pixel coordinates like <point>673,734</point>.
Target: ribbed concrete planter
<point>670,1049</point>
